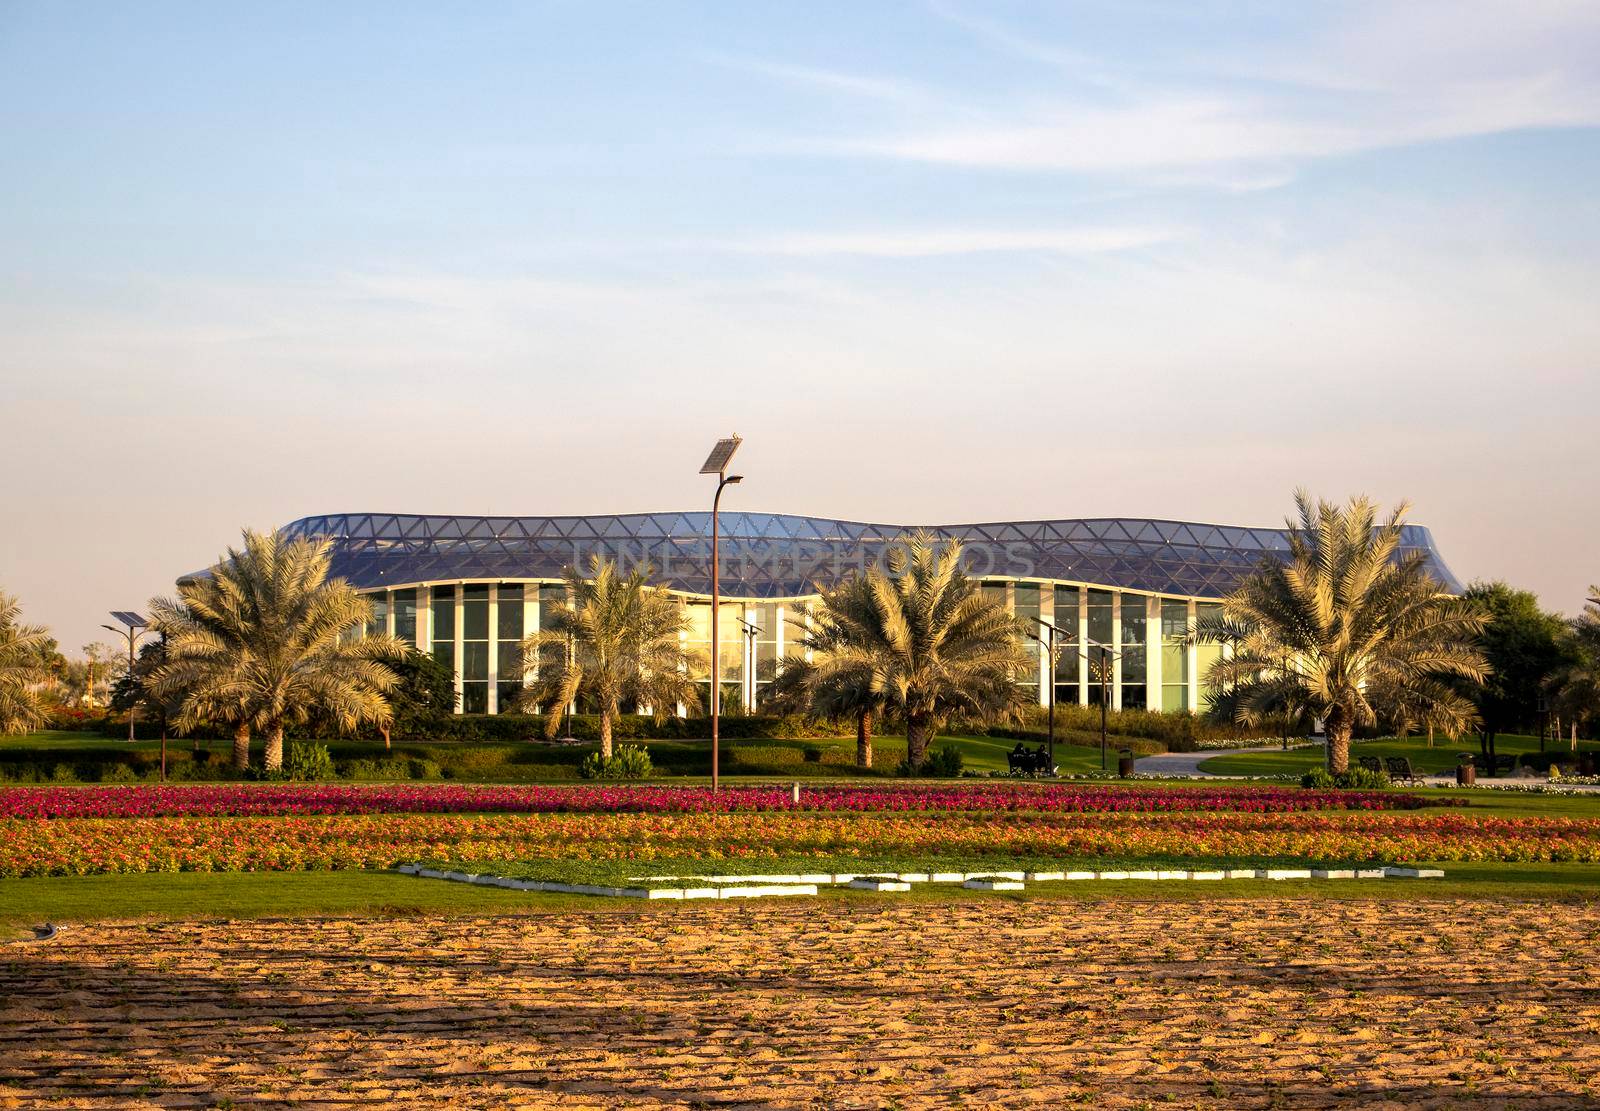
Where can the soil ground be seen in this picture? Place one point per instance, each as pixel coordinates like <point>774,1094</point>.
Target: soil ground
<point>1124,1003</point>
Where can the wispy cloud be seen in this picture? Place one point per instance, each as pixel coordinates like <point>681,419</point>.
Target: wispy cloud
<point>929,242</point>
<point>884,89</point>
<point>1384,76</point>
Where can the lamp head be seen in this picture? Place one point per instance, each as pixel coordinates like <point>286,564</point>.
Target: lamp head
<point>731,479</point>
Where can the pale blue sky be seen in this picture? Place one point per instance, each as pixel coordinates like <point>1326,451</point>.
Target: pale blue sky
<point>936,261</point>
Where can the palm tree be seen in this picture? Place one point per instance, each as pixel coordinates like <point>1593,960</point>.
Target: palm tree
<point>616,639</point>
<point>1348,629</point>
<point>921,636</point>
<point>22,670</point>
<point>263,640</point>
<point>838,681</point>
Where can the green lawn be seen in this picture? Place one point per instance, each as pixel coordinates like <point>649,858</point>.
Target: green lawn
<point>1441,758</point>
<point>1076,754</point>
<point>69,899</point>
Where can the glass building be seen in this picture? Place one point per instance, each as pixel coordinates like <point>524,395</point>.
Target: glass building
<point>1121,592</point>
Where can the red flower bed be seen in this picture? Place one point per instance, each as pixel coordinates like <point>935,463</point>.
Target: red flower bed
<point>271,800</point>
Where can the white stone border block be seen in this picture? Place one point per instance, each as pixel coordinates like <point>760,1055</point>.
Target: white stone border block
<point>1413,873</point>
<point>992,883</point>
<point>879,883</point>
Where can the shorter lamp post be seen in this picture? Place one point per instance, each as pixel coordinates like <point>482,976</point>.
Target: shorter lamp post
<point>751,632</point>
<point>1102,671</point>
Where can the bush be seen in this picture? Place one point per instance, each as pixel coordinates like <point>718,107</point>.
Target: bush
<point>120,773</point>
<point>308,761</point>
<point>945,762</point>
<point>1357,779</point>
<point>812,753</point>
<point>628,762</point>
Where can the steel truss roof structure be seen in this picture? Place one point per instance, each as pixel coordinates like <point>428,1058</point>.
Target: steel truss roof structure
<point>775,555</point>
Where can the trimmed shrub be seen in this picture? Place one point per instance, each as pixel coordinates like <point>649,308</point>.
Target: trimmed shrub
<point>308,761</point>
<point>1358,779</point>
<point>944,762</point>
<point>626,762</point>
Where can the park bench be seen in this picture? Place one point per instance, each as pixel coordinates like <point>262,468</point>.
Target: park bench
<point>1400,769</point>
<point>1031,762</point>
<point>1368,764</point>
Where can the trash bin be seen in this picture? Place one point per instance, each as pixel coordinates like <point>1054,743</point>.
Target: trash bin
<point>1466,770</point>
<point>1124,762</point>
<point>1585,763</point>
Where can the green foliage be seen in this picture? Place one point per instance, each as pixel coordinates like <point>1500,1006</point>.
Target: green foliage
<point>1356,779</point>
<point>308,761</point>
<point>424,692</point>
<point>23,651</point>
<point>944,763</point>
<point>628,762</point>
<point>1525,646</point>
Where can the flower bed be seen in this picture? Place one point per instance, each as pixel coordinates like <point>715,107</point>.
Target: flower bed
<point>76,846</point>
<point>240,800</point>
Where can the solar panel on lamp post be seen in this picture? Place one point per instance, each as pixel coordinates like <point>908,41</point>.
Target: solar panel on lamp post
<point>134,626</point>
<point>717,463</point>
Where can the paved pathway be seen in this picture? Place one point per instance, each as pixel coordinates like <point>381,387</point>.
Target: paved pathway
<point>1188,763</point>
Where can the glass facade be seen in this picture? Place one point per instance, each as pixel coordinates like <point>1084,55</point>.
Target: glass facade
<point>1081,571</point>
<point>484,649</point>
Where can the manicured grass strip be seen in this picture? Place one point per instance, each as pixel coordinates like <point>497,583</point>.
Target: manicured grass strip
<point>195,896</point>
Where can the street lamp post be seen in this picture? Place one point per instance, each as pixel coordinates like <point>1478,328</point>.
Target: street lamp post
<point>717,463</point>
<point>133,628</point>
<point>1050,650</point>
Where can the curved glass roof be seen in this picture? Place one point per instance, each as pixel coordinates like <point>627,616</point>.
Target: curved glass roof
<point>776,555</point>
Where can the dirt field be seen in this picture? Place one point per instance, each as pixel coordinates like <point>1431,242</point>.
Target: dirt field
<point>1227,1004</point>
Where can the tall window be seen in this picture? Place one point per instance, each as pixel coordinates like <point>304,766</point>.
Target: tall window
<point>508,637</point>
<point>444,625</point>
<point>551,597</point>
<point>405,616</point>
<point>1174,655</point>
<point>1067,678</point>
<point>1026,608</point>
<point>1207,654</point>
<point>475,648</point>
<point>1135,667</point>
<point>1101,632</point>
<point>379,624</point>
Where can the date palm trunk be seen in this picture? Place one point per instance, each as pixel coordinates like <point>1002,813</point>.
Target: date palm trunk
<point>919,732</point>
<point>274,759</point>
<point>241,748</point>
<point>605,732</point>
<point>1339,727</point>
<point>864,739</point>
